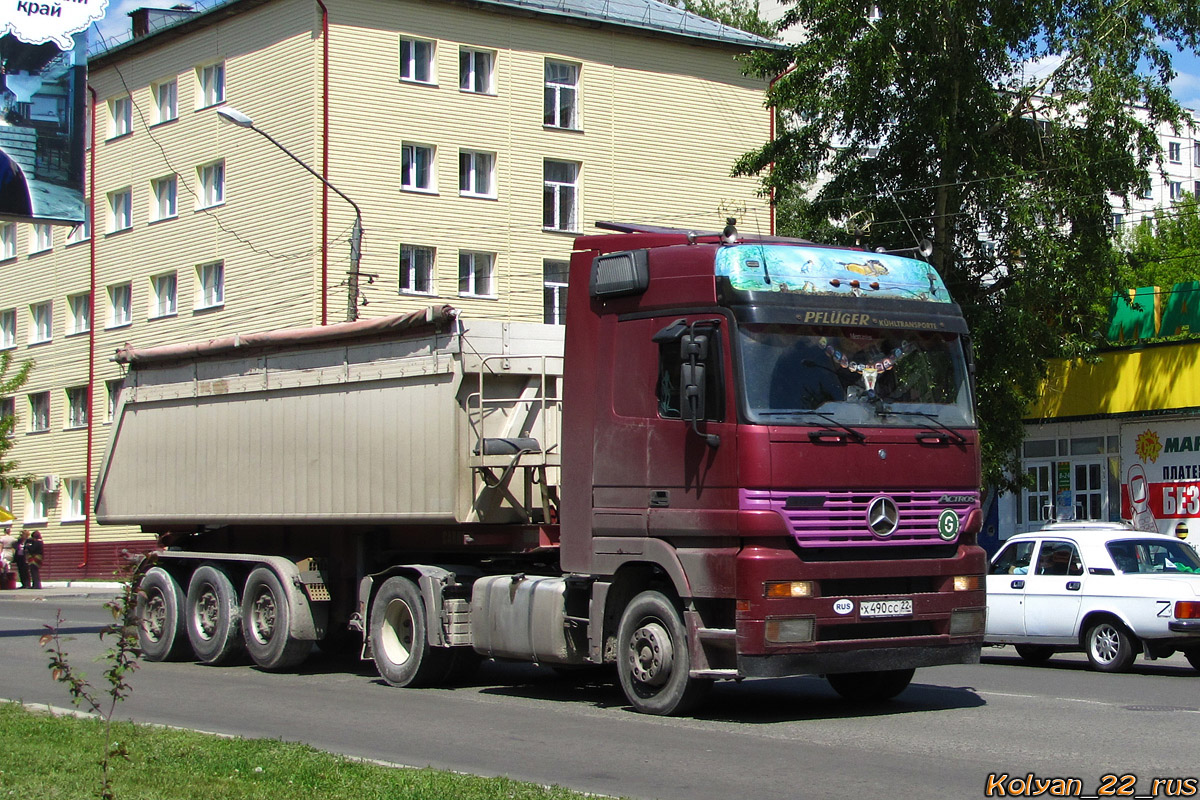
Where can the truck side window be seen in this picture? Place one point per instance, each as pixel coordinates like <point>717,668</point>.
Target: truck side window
<point>668,390</point>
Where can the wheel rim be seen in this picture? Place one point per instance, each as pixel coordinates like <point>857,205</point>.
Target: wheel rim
<point>264,615</point>
<point>398,627</point>
<point>1106,644</point>
<point>154,617</point>
<point>651,655</point>
<point>208,611</point>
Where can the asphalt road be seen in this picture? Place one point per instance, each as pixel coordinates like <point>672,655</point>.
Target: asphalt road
<point>788,738</point>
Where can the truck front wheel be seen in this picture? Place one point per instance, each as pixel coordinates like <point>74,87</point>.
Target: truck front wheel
<point>400,638</point>
<point>160,604</point>
<point>214,624</point>
<point>653,660</point>
<point>267,621</point>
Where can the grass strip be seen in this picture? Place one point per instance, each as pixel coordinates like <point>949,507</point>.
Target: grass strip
<point>57,758</point>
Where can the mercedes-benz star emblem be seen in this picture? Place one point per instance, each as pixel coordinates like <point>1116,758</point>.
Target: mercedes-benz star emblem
<point>883,517</point>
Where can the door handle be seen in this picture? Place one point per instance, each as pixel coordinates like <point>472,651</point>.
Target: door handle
<point>1073,586</point>
<point>1018,584</point>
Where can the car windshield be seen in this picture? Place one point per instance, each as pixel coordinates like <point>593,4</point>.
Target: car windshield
<point>1153,557</point>
<point>806,375</point>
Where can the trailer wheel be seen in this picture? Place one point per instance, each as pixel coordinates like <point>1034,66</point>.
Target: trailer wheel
<point>400,638</point>
<point>267,621</point>
<point>871,687</point>
<point>214,625</point>
<point>160,604</point>
<point>653,660</point>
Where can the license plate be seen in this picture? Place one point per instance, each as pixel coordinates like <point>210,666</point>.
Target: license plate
<point>885,608</point>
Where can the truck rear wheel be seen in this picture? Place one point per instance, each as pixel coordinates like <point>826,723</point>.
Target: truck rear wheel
<point>267,622</point>
<point>871,687</point>
<point>400,637</point>
<point>653,660</point>
<point>160,604</point>
<point>214,625</point>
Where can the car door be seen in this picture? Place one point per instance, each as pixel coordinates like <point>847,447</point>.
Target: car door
<point>1006,589</point>
<point>1054,591</point>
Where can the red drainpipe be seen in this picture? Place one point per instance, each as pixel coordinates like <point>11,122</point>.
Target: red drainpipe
<point>324,163</point>
<point>91,216</point>
<point>774,113</point>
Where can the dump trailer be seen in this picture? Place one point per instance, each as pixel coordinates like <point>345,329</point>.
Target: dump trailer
<point>740,457</point>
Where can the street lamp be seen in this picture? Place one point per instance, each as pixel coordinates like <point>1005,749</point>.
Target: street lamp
<point>243,121</point>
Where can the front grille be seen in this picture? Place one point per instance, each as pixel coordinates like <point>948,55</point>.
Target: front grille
<point>839,519</point>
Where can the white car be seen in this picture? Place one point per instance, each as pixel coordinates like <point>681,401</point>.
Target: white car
<point>1103,588</point>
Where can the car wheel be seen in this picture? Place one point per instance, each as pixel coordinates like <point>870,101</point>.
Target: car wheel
<point>1110,647</point>
<point>1193,657</point>
<point>653,661</point>
<point>1034,653</point>
<point>400,639</point>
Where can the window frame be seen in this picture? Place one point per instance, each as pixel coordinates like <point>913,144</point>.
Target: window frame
<point>80,308</point>
<point>112,388</point>
<point>211,177</point>
<point>410,167</point>
<point>41,327</point>
<point>409,271</point>
<point>204,286</point>
<point>469,171</point>
<point>120,210</point>
<point>1175,152</point>
<point>41,239</point>
<point>83,231</point>
<point>8,240</point>
<point>37,503</point>
<point>469,272</point>
<point>8,328</point>
<point>210,85</point>
<point>164,295</point>
<point>39,412</point>
<point>75,490</point>
<point>77,407</point>
<point>164,198</point>
<point>468,73</point>
<point>554,292</point>
<point>166,109</point>
<point>552,99</point>
<point>555,188</point>
<point>411,63</point>
<point>120,112</point>
<point>115,321</point>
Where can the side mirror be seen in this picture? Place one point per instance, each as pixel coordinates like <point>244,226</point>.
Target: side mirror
<point>693,390</point>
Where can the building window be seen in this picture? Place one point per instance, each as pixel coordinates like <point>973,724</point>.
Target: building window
<point>39,412</point>
<point>476,274</point>
<point>212,85</point>
<point>8,328</point>
<point>210,285</point>
<point>120,205</point>
<point>164,192</point>
<point>560,198</point>
<point>1196,154</point>
<point>212,184</point>
<point>1176,190</point>
<point>477,173</point>
<point>162,295</point>
<point>120,305</point>
<point>83,231</point>
<point>416,60</point>
<point>166,101</point>
<point>8,240</point>
<point>1148,193</point>
<point>416,169</point>
<point>113,391</point>
<point>475,70</point>
<point>42,316</point>
<point>80,306</point>
<point>554,291</point>
<point>36,510</point>
<point>73,489</point>
<point>77,407</point>
<point>416,269</point>
<point>120,110</point>
<point>42,239</point>
<point>562,95</point>
<point>1174,152</point>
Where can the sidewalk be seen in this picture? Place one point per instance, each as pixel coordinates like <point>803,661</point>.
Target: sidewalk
<point>63,589</point>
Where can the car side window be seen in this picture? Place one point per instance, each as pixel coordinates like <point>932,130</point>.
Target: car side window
<point>1059,558</point>
<point>1013,559</point>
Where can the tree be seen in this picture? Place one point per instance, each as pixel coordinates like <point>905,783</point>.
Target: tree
<point>8,422</point>
<point>1163,250</point>
<point>997,130</point>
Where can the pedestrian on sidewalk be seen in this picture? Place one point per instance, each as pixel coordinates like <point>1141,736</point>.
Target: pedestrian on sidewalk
<point>19,558</point>
<point>34,550</point>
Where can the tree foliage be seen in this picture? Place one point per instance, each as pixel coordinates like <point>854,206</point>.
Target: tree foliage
<point>998,131</point>
<point>8,422</point>
<point>1163,250</point>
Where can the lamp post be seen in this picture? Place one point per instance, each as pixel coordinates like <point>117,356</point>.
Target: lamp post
<point>243,121</point>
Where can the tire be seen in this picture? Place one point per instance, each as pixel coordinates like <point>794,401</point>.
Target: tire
<point>1193,656</point>
<point>1110,647</point>
<point>400,637</point>
<point>214,620</point>
<point>160,604</point>
<point>1034,653</point>
<point>266,623</point>
<point>870,687</point>
<point>653,660</point>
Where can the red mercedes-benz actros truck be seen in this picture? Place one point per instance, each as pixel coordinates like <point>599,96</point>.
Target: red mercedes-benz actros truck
<point>740,457</point>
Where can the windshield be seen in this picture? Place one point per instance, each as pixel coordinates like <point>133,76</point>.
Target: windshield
<point>1153,557</point>
<point>810,375</point>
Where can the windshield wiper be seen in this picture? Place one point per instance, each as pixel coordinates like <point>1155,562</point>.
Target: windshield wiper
<point>827,417</point>
<point>883,410</point>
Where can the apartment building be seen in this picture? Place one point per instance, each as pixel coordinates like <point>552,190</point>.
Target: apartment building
<point>471,142</point>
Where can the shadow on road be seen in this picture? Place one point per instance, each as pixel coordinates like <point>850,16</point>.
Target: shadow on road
<point>1066,663</point>
<point>37,633</point>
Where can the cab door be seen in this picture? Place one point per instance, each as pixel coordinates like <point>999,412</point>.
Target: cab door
<point>1006,590</point>
<point>1054,591</point>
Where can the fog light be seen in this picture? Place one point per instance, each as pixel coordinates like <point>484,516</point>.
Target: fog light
<point>1187,609</point>
<point>966,583</point>
<point>965,621</point>
<point>789,589</point>
<point>789,630</point>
